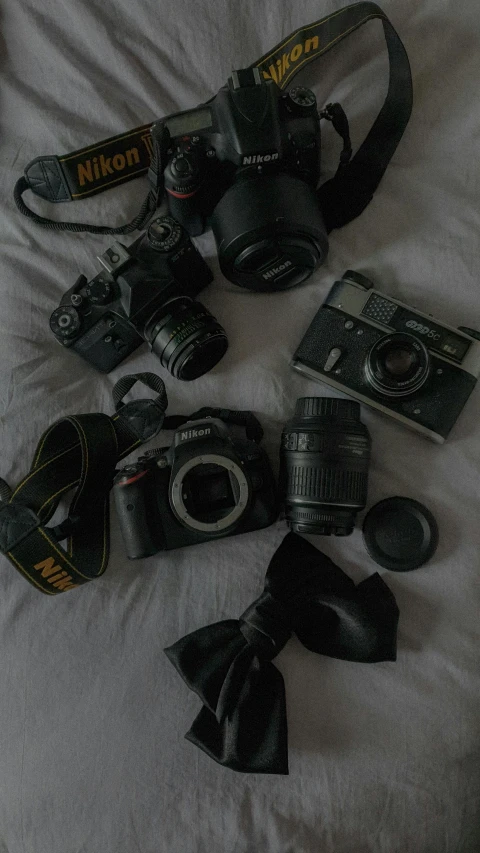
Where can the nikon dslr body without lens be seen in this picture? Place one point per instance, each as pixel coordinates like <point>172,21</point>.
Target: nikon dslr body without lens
<point>390,356</point>
<point>207,485</point>
<point>250,160</point>
<point>145,293</point>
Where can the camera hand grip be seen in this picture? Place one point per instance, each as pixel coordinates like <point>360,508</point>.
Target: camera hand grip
<point>129,491</point>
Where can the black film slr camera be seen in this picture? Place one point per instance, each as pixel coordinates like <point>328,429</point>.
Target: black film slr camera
<point>207,485</point>
<point>390,356</point>
<point>250,160</point>
<point>145,293</point>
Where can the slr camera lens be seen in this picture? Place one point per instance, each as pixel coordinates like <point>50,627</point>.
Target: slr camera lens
<point>397,365</point>
<point>325,454</point>
<point>187,339</point>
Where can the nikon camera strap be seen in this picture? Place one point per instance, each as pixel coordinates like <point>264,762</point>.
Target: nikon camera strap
<point>120,158</point>
<point>78,452</point>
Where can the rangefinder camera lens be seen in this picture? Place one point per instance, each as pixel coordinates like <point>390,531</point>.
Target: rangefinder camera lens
<point>325,454</point>
<point>397,365</point>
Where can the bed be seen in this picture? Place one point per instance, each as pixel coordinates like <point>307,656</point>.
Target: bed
<point>384,758</point>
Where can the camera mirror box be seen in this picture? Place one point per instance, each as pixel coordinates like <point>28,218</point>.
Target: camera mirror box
<point>391,357</point>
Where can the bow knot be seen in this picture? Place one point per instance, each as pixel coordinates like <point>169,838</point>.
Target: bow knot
<point>243,722</point>
<point>266,626</point>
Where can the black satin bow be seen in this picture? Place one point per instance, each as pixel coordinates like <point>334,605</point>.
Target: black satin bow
<point>243,722</point>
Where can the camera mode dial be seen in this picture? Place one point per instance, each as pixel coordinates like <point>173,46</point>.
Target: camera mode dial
<point>301,100</point>
<point>164,233</point>
<point>65,321</point>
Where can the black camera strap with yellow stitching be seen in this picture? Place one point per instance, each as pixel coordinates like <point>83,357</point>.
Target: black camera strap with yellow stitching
<point>120,158</point>
<point>78,452</point>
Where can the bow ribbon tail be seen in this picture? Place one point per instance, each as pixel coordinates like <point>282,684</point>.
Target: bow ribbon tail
<point>243,724</point>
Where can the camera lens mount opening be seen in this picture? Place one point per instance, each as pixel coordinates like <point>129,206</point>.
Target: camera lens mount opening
<point>397,365</point>
<point>210,493</point>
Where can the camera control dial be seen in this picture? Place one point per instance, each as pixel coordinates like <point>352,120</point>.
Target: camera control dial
<point>164,233</point>
<point>99,291</point>
<point>182,175</point>
<point>301,100</point>
<point>65,321</point>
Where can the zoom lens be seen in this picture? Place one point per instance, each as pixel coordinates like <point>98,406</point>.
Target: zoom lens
<point>397,365</point>
<point>187,339</point>
<point>325,453</point>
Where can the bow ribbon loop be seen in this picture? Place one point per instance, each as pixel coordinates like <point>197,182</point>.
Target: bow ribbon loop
<point>243,723</point>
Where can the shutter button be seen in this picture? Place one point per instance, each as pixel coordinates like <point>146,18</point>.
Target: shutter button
<point>182,166</point>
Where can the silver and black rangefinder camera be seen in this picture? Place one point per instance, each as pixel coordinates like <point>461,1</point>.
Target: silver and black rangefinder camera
<point>391,357</point>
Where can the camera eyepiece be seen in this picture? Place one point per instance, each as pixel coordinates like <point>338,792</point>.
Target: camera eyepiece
<point>325,454</point>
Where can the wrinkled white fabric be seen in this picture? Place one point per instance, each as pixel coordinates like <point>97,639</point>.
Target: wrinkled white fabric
<point>92,716</point>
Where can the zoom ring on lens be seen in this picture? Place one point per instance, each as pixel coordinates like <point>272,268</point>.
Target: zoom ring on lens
<point>328,485</point>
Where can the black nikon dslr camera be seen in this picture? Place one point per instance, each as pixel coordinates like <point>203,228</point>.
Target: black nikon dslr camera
<point>250,160</point>
<point>392,357</point>
<point>207,485</point>
<point>145,293</point>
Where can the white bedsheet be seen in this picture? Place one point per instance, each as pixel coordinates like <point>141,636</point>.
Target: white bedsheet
<point>383,758</point>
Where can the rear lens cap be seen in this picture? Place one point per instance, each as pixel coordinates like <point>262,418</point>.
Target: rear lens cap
<point>400,534</point>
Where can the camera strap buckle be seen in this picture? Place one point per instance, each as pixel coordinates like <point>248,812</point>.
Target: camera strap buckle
<point>336,114</point>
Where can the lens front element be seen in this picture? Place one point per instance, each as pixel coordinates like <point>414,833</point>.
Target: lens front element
<point>187,339</point>
<point>397,365</point>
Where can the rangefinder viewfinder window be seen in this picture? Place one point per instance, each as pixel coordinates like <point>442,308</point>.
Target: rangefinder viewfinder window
<point>190,122</point>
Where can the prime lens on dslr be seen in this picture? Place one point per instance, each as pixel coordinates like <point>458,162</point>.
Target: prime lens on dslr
<point>325,454</point>
<point>187,339</point>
